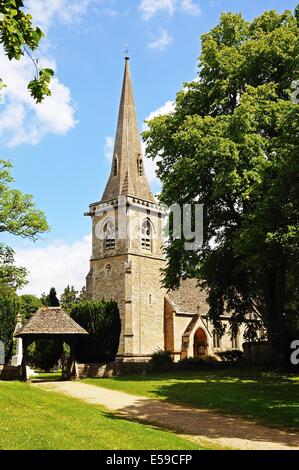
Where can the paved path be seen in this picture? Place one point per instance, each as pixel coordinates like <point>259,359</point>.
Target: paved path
<point>199,425</point>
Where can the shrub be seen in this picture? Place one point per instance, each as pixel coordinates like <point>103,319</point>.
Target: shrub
<point>197,363</point>
<point>47,353</point>
<point>231,355</point>
<point>102,321</point>
<point>29,305</point>
<point>161,360</point>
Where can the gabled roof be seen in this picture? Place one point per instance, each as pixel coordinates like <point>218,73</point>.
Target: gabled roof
<point>51,321</point>
<point>189,298</point>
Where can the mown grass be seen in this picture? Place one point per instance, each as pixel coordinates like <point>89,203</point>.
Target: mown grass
<point>31,418</point>
<point>269,398</point>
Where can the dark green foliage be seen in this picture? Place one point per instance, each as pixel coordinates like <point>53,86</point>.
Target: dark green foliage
<point>9,308</point>
<point>232,145</point>
<point>199,363</point>
<point>50,300</point>
<point>47,353</point>
<point>29,304</point>
<point>161,360</point>
<point>102,321</point>
<point>231,355</point>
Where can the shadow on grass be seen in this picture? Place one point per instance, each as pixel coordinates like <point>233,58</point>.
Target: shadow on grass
<point>267,398</point>
<point>47,377</point>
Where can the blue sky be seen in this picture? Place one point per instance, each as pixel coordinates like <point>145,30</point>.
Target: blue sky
<point>60,149</point>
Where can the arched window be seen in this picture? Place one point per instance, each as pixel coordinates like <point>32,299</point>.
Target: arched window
<point>109,236</point>
<point>115,166</point>
<point>139,165</point>
<point>235,340</point>
<point>216,339</point>
<point>146,235</point>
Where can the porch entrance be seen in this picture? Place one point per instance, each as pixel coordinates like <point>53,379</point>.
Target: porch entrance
<point>200,344</point>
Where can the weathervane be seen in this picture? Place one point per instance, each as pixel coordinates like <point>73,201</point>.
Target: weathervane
<point>127,52</point>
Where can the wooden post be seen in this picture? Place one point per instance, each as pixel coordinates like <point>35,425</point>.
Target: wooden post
<point>71,367</point>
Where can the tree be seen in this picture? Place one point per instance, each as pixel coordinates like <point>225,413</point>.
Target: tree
<point>71,296</point>
<point>18,213</point>
<point>232,145</point>
<point>10,275</point>
<point>29,304</point>
<point>68,298</point>
<point>18,216</point>
<point>19,37</point>
<point>9,308</point>
<point>101,320</point>
<point>51,299</point>
<point>82,294</point>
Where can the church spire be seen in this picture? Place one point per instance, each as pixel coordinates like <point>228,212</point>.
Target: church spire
<point>127,173</point>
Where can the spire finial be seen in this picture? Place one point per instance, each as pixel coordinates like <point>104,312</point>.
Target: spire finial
<point>127,52</point>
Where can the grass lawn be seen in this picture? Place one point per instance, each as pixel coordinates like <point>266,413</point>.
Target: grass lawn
<point>48,376</point>
<point>265,397</point>
<point>31,418</point>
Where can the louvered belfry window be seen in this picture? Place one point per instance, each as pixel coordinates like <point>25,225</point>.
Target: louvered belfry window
<point>109,236</point>
<point>146,235</point>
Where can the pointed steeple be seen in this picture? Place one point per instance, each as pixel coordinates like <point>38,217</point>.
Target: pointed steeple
<point>127,172</point>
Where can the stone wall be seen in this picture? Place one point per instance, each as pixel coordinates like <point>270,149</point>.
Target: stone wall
<point>168,326</point>
<point>143,288</point>
<point>112,369</point>
<point>9,372</point>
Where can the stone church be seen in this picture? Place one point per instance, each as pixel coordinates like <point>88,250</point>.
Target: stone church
<point>127,258</point>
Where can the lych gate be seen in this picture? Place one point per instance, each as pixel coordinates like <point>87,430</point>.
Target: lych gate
<point>50,323</point>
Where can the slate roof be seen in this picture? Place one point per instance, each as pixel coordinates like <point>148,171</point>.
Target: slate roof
<point>188,297</point>
<point>51,321</point>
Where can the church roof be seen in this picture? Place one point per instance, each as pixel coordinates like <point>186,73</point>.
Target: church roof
<point>127,171</point>
<point>189,298</point>
<point>51,321</point>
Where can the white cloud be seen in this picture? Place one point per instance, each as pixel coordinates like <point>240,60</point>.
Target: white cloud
<point>191,7</point>
<point>65,11</point>
<point>109,147</point>
<point>22,121</point>
<point>150,8</point>
<point>162,41</point>
<point>56,265</point>
<point>166,108</point>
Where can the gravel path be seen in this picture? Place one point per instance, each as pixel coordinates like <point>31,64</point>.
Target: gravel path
<point>196,424</point>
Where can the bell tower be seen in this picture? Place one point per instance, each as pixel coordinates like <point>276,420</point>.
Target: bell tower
<point>127,255</point>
